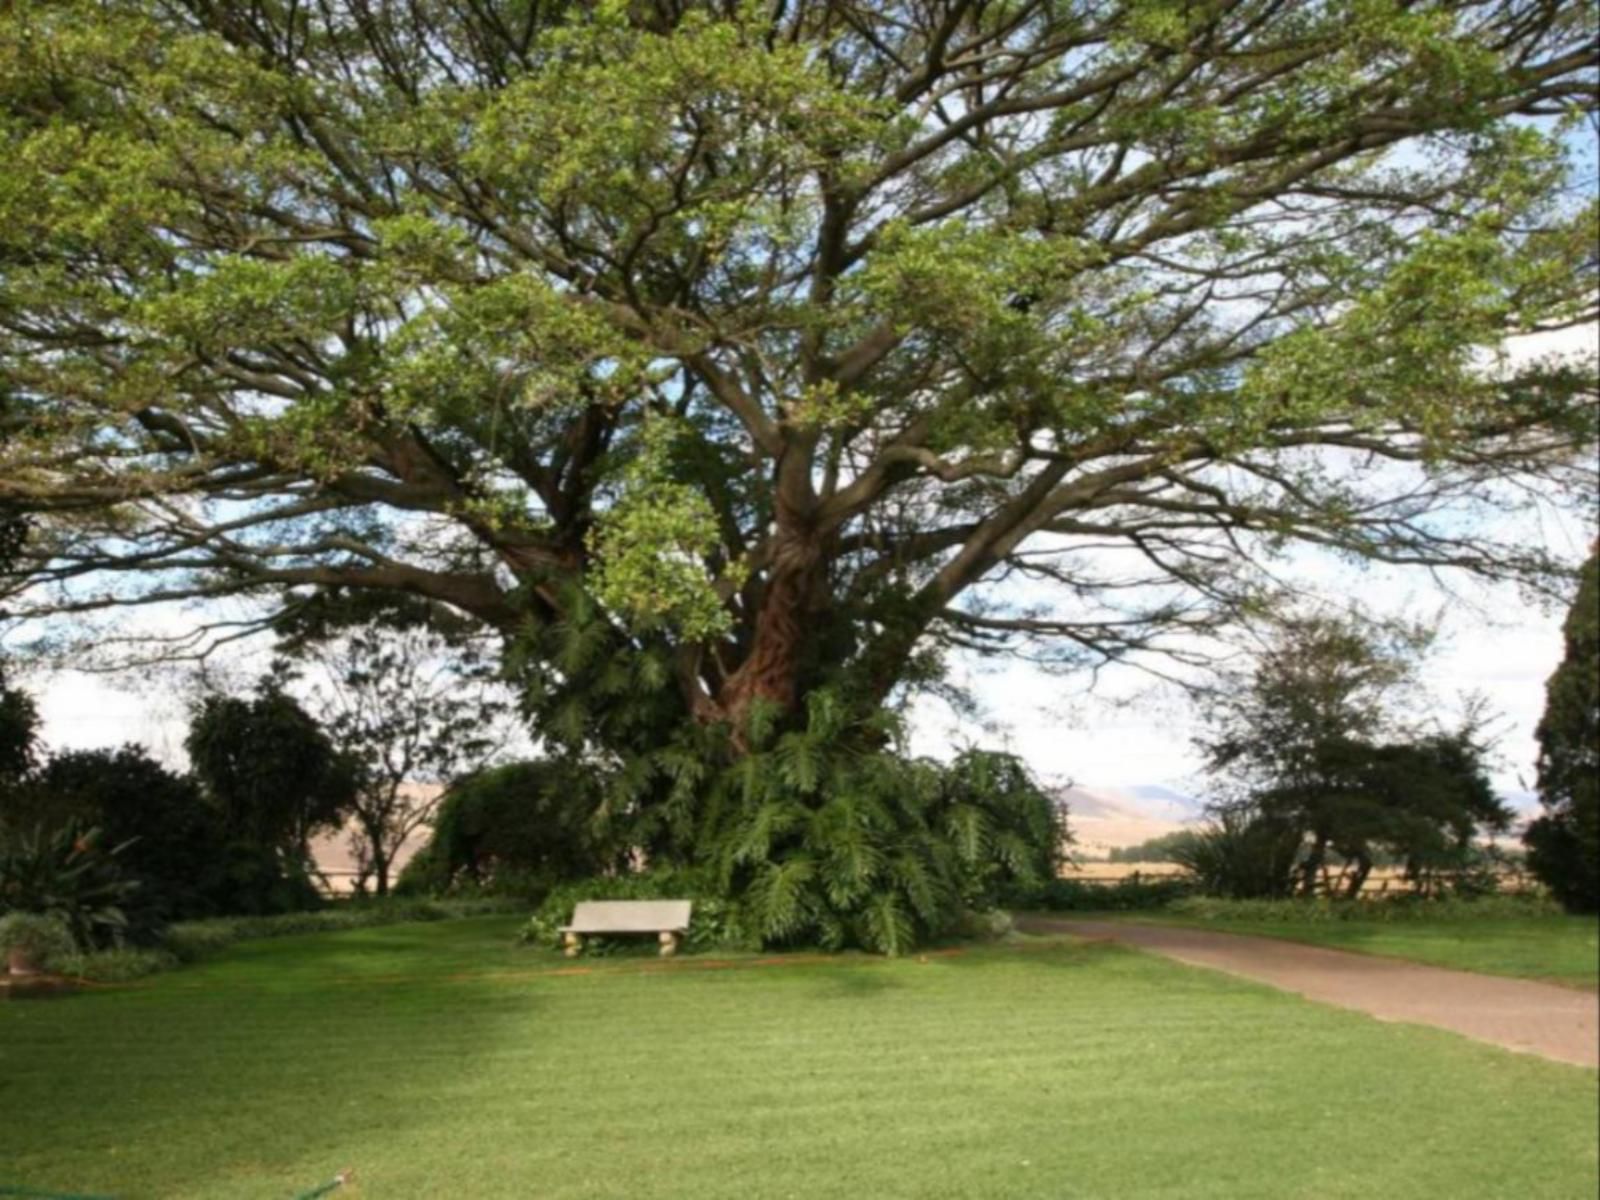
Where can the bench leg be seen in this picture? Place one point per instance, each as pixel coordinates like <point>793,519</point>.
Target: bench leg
<point>669,944</point>
<point>573,944</point>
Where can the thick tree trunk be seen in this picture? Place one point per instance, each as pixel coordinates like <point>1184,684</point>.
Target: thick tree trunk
<point>1312,866</point>
<point>1358,877</point>
<point>771,670</point>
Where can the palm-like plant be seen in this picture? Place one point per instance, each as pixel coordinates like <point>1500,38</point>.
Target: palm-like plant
<point>66,874</point>
<point>826,836</point>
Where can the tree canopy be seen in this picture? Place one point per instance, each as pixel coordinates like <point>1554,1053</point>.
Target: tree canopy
<point>769,335</point>
<point>273,774</point>
<point>1317,752</point>
<point>734,360</point>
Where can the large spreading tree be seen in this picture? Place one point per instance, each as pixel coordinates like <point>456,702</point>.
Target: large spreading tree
<point>725,355</point>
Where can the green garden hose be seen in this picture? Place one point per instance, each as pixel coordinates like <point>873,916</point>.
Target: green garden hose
<point>338,1181</point>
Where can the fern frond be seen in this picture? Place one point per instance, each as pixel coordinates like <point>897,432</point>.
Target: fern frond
<point>799,762</point>
<point>778,897</point>
<point>887,927</point>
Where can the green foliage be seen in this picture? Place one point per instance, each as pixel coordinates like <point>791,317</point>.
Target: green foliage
<point>825,841</point>
<point>1125,895</point>
<point>518,830</point>
<point>68,874</point>
<point>1152,850</point>
<point>715,923</point>
<point>1564,842</point>
<point>177,844</point>
<point>118,964</point>
<point>19,735</point>
<point>270,770</point>
<point>189,941</point>
<point>1243,855</point>
<point>1385,909</point>
<point>44,938</point>
<point>712,352</point>
<point>1312,744</point>
<point>651,547</point>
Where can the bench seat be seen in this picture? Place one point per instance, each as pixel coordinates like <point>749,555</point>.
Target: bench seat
<point>667,919</point>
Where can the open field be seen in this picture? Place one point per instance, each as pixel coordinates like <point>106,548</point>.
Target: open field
<point>1560,949</point>
<point>441,1060</point>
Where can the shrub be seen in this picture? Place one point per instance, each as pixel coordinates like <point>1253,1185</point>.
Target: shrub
<point>120,964</point>
<point>190,940</point>
<point>189,860</point>
<point>1242,856</point>
<point>1396,908</point>
<point>175,840</point>
<point>43,938</point>
<point>516,830</point>
<point>715,923</point>
<point>827,841</point>
<point>69,875</point>
<point>1126,895</point>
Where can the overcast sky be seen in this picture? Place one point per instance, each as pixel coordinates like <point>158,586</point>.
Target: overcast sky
<point>1127,731</point>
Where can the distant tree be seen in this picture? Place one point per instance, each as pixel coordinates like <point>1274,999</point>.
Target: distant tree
<point>271,770</point>
<point>1419,802</point>
<point>523,826</point>
<point>19,736</point>
<point>1314,738</point>
<point>1153,850</point>
<point>19,716</point>
<point>1564,843</point>
<point>408,691</point>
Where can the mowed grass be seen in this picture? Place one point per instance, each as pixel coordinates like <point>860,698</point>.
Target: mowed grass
<point>1555,948</point>
<point>440,1060</point>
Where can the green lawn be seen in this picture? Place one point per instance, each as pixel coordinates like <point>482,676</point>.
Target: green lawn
<point>1560,949</point>
<point>440,1060</point>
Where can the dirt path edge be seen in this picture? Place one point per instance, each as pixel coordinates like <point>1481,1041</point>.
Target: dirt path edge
<point>1524,1015</point>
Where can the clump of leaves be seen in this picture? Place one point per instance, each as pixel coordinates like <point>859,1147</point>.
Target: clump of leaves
<point>68,876</point>
<point>42,939</point>
<point>827,836</point>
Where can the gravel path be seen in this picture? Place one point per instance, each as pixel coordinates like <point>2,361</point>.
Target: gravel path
<point>1519,1014</point>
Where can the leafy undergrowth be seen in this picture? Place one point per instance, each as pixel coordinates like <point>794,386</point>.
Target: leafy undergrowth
<point>1521,937</point>
<point>444,1060</point>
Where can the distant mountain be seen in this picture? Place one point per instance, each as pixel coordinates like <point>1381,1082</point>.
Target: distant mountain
<point>1145,801</point>
<point>1105,818</point>
<point>1164,800</point>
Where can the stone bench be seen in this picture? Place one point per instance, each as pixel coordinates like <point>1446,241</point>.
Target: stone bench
<point>667,919</point>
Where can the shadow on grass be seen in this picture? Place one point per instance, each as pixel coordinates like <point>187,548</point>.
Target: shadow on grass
<point>269,1082</point>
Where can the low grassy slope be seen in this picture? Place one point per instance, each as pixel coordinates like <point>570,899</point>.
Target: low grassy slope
<point>1560,949</point>
<point>439,1060</point>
